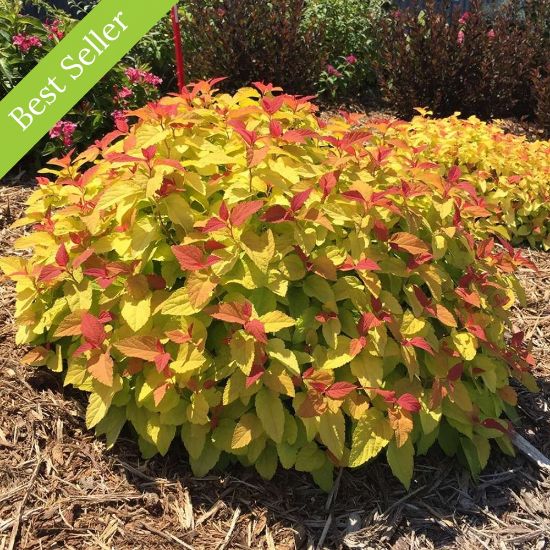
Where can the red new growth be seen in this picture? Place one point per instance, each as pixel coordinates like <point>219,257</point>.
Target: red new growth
<point>191,258</point>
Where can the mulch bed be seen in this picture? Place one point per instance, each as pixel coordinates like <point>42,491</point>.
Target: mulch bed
<point>60,488</point>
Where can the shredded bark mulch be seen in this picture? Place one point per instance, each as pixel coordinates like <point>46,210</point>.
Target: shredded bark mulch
<point>60,488</point>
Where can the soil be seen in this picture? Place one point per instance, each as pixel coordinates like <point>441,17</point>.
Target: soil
<point>60,488</point>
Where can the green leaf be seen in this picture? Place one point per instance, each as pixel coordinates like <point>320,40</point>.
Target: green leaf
<point>270,411</point>
<point>465,343</point>
<point>160,434</point>
<point>266,465</point>
<point>371,434</point>
<point>401,461</point>
<point>96,410</point>
<point>111,425</point>
<point>276,350</point>
<point>136,312</point>
<point>324,476</point>
<point>206,461</point>
<point>309,458</point>
<point>332,430</point>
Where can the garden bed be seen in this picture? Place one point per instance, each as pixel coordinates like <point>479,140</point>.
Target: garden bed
<point>59,488</point>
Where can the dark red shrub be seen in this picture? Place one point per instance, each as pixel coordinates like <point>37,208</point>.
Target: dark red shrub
<point>477,63</point>
<point>541,87</point>
<point>248,40</point>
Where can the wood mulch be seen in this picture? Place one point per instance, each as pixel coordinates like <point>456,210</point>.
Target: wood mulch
<point>60,488</point>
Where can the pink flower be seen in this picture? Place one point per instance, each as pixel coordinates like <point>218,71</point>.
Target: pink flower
<point>491,34</point>
<point>333,70</point>
<point>351,59</point>
<point>464,18</point>
<point>150,78</point>
<point>396,14</point>
<point>55,31</point>
<point>24,42</point>
<point>124,93</point>
<point>134,75</point>
<point>460,37</point>
<point>63,130</point>
<point>137,76</point>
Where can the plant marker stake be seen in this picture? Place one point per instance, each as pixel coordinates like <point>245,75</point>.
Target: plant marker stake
<point>178,47</point>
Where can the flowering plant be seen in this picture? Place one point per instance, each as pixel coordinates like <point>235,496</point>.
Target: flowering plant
<point>336,79</point>
<point>24,40</point>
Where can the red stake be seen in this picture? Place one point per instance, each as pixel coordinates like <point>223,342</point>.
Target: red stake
<point>178,47</point>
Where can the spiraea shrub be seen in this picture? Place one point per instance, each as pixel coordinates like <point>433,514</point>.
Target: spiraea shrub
<point>510,175</point>
<point>272,288</point>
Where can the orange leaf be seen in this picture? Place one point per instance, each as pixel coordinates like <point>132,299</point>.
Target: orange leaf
<point>70,325</point>
<point>402,424</point>
<point>100,366</point>
<point>408,243</point>
<point>140,347</point>
<point>445,316</point>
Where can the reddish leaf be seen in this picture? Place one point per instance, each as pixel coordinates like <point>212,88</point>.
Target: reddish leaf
<point>356,345</point>
<point>191,258</point>
<point>328,182</point>
<point>471,298</point>
<point>339,390</point>
<point>149,152</point>
<point>454,174</point>
<point>275,128</point>
<point>50,272</point>
<point>299,199</point>
<point>135,365</point>
<point>455,372</point>
<point>255,374</point>
<point>224,211</point>
<point>161,361</point>
<point>62,258</point>
<point>381,231</point>
<point>266,88</point>
<point>105,317</point>
<point>243,211</point>
<point>409,402</point>
<point>325,316</point>
<point>156,282</point>
<point>230,312</point>
<point>387,395</point>
<point>248,136</point>
<point>517,339</point>
<point>81,258</point>
<point>272,104</point>
<point>213,224</point>
<point>477,331</point>
<point>367,264</point>
<point>275,214</point>
<point>256,328</point>
<point>92,330</point>
<point>494,424</point>
<point>421,297</point>
<point>368,321</point>
<point>419,342</point>
<point>298,136</point>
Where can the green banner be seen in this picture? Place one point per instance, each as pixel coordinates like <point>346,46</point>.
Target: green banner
<point>70,70</point>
